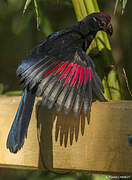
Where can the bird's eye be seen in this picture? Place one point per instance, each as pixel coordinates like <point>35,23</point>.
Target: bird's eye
<point>103,23</point>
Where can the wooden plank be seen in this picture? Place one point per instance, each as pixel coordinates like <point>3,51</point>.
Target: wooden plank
<point>69,143</point>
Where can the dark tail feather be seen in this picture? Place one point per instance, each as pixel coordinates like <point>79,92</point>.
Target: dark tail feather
<point>18,131</point>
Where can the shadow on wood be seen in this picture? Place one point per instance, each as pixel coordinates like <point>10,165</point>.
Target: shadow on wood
<point>60,129</point>
<point>71,144</point>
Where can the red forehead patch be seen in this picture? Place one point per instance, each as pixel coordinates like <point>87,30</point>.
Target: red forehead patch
<point>107,17</point>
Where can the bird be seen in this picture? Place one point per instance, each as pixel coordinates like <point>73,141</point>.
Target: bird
<point>59,70</point>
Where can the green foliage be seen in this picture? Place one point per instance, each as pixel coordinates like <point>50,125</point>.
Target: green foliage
<point>42,175</point>
<point>123,5</point>
<point>19,23</point>
<point>37,13</point>
<point>46,175</point>
<point>101,177</point>
<point>127,84</point>
<point>45,24</point>
<point>114,85</point>
<point>26,5</point>
<point>1,88</point>
<point>28,2</point>
<point>13,93</point>
<point>65,2</point>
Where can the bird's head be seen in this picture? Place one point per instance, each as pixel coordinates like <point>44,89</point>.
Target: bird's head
<point>103,22</point>
<point>99,21</point>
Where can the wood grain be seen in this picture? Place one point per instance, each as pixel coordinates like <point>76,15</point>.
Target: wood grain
<point>98,143</point>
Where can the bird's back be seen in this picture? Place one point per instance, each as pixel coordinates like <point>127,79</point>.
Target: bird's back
<point>57,45</point>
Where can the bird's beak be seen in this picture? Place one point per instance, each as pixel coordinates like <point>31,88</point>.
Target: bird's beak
<point>109,29</point>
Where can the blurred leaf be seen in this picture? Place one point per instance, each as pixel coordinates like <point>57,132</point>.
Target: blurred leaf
<point>36,10</point>
<point>123,5</point>
<point>19,23</point>
<point>37,13</point>
<point>116,4</point>
<point>13,93</point>
<point>101,177</point>
<point>26,5</point>
<point>6,1</point>
<point>65,178</point>
<point>45,24</point>
<point>1,88</point>
<point>65,2</point>
<point>126,79</point>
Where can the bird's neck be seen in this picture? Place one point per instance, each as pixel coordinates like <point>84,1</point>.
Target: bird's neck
<point>87,40</point>
<point>87,31</point>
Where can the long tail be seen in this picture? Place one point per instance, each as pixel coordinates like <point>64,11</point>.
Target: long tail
<point>18,131</point>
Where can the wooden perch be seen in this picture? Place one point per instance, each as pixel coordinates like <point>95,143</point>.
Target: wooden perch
<point>68,143</point>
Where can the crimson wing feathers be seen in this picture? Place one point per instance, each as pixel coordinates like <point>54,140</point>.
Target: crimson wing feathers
<point>64,83</point>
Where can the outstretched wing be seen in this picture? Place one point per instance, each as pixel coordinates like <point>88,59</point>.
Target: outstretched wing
<point>67,83</point>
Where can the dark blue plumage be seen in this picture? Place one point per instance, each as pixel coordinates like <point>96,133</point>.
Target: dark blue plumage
<point>19,127</point>
<point>60,70</point>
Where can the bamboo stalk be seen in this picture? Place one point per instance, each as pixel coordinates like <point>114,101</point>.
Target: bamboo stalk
<point>96,5</point>
<point>107,92</point>
<point>90,6</point>
<point>114,85</point>
<point>83,9</point>
<point>77,10</point>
